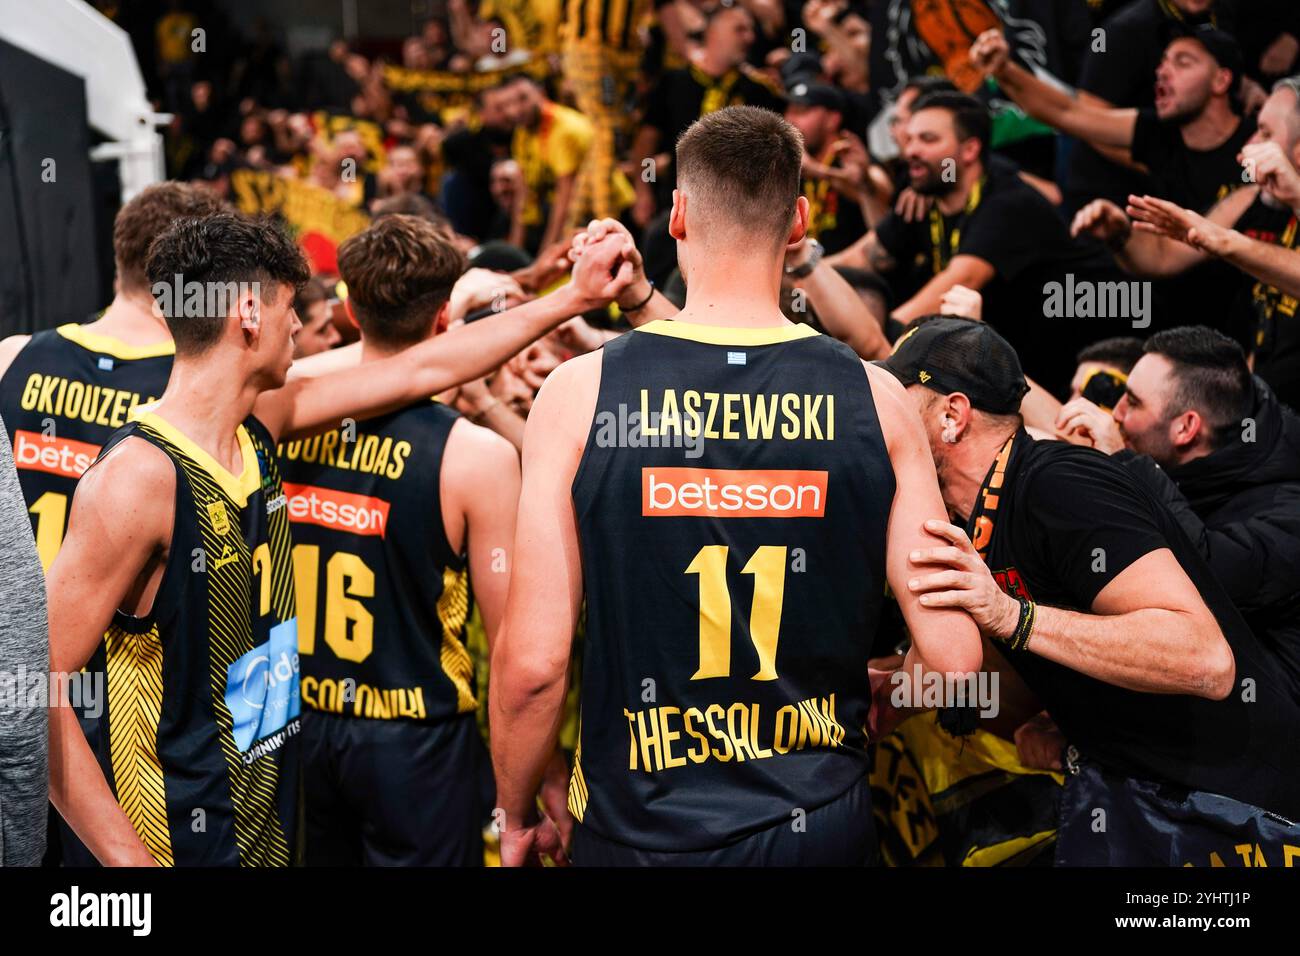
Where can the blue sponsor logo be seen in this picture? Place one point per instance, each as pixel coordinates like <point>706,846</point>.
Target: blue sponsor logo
<point>262,686</point>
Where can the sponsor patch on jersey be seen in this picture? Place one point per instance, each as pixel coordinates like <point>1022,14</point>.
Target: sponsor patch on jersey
<point>731,493</point>
<point>217,515</point>
<point>55,456</point>
<point>262,686</point>
<point>339,510</point>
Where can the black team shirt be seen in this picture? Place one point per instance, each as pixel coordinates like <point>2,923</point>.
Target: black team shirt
<point>1018,232</point>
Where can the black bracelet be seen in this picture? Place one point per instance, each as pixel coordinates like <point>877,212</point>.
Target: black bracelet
<point>640,305</point>
<point>1019,639</point>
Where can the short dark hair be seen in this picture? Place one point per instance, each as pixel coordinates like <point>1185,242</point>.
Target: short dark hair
<point>139,222</point>
<point>926,84</point>
<point>399,273</point>
<point>223,249</point>
<point>1211,376</point>
<point>1121,352</point>
<point>741,165</point>
<point>970,117</point>
<point>313,290</point>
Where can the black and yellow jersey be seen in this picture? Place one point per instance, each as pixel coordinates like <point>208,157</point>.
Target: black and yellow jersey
<point>383,598</point>
<point>732,505</point>
<point>198,735</point>
<point>64,394</point>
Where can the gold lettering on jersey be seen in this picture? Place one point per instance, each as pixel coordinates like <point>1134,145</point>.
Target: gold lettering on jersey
<point>664,738</point>
<point>363,700</point>
<point>738,416</point>
<point>76,400</point>
<point>379,455</point>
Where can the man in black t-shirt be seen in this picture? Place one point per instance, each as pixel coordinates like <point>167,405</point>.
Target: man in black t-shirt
<point>1173,240</point>
<point>1119,72</point>
<point>989,231</point>
<point>719,78</point>
<point>1188,139</point>
<point>831,181</point>
<point>1088,591</point>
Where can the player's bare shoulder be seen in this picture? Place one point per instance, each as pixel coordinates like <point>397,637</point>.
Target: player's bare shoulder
<point>475,454</point>
<point>566,403</point>
<point>129,493</point>
<point>896,413</point>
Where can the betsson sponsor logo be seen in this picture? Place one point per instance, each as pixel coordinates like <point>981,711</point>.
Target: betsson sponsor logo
<point>730,493</point>
<point>56,456</point>
<point>339,510</point>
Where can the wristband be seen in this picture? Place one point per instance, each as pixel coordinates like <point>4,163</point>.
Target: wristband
<point>640,305</point>
<point>1019,639</point>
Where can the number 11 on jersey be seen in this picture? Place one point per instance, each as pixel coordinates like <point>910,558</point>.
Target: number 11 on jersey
<point>768,567</point>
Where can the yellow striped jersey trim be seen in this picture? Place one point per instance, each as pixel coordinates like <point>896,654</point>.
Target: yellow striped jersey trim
<point>453,609</point>
<point>236,488</point>
<point>135,690</point>
<point>578,793</point>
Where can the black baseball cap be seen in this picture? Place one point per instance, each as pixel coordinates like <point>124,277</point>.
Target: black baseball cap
<point>1221,45</point>
<point>804,92</point>
<point>950,354</point>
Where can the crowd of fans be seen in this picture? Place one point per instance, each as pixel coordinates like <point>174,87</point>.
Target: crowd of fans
<point>1080,175</point>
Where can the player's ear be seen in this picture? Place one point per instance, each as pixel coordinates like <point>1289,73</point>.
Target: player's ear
<point>347,308</point>
<point>677,216</point>
<point>250,311</point>
<point>799,228</point>
<point>441,319</point>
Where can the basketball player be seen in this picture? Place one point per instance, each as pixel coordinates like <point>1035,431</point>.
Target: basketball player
<point>384,513</point>
<point>176,579</point>
<point>65,390</point>
<point>774,483</point>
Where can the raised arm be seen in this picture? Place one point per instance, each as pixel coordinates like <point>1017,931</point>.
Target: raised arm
<point>306,405</point>
<point>119,532</point>
<point>531,658</point>
<point>1048,104</point>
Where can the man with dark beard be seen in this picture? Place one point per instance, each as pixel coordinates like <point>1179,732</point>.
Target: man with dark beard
<point>986,230</point>
<point>1224,455</point>
<point>1189,141</point>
